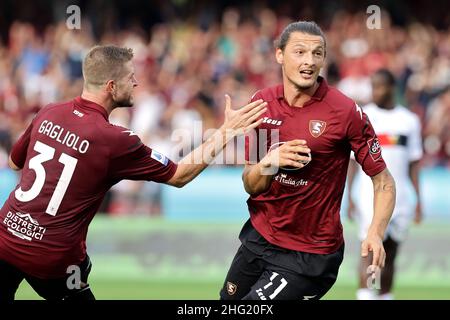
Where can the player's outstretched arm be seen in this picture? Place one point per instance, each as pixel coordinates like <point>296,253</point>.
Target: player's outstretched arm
<point>237,122</point>
<point>384,202</point>
<point>257,177</point>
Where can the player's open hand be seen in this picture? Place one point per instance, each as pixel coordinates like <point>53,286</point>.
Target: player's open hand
<point>294,154</point>
<point>245,119</point>
<point>374,243</point>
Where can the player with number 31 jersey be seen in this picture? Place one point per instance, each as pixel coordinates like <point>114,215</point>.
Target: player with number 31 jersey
<point>71,155</point>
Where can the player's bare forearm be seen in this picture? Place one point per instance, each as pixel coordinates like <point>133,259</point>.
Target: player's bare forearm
<point>237,122</point>
<point>254,181</point>
<point>200,158</point>
<point>384,202</point>
<point>257,178</point>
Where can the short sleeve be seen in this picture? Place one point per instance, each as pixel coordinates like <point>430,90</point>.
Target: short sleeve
<point>364,142</point>
<point>415,151</point>
<point>19,150</point>
<point>132,160</point>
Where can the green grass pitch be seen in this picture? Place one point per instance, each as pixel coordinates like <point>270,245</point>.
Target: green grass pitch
<point>148,259</point>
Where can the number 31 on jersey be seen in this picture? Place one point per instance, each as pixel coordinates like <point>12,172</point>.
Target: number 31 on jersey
<point>47,153</point>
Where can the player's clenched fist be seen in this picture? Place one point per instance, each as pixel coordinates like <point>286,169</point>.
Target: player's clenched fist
<point>294,154</point>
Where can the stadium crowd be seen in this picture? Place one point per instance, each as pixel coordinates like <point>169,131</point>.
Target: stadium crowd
<point>184,68</point>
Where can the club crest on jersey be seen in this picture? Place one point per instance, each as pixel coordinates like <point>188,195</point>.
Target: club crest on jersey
<point>317,127</point>
<point>231,288</point>
<point>374,148</point>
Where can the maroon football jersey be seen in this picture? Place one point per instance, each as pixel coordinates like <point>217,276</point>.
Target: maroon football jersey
<point>71,156</point>
<point>300,210</point>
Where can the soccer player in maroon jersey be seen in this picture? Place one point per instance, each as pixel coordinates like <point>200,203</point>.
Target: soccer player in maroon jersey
<point>293,245</point>
<point>70,156</point>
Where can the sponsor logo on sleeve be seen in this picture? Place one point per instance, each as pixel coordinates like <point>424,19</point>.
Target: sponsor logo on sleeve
<point>317,127</point>
<point>374,148</point>
<point>159,157</point>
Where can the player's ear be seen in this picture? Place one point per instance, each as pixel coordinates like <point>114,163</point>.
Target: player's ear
<point>110,86</point>
<point>279,56</point>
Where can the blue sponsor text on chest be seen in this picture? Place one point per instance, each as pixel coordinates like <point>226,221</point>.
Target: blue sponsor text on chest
<point>63,136</point>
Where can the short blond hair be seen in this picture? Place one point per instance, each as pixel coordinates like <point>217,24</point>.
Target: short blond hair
<point>104,63</point>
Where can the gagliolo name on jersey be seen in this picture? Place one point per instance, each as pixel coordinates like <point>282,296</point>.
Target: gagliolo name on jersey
<point>63,136</point>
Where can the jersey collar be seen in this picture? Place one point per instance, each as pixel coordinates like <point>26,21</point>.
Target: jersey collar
<point>318,95</point>
<point>83,103</point>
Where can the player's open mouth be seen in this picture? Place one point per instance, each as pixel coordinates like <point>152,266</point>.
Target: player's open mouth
<point>307,74</point>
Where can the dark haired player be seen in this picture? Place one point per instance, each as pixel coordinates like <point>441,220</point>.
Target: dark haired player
<point>293,245</point>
